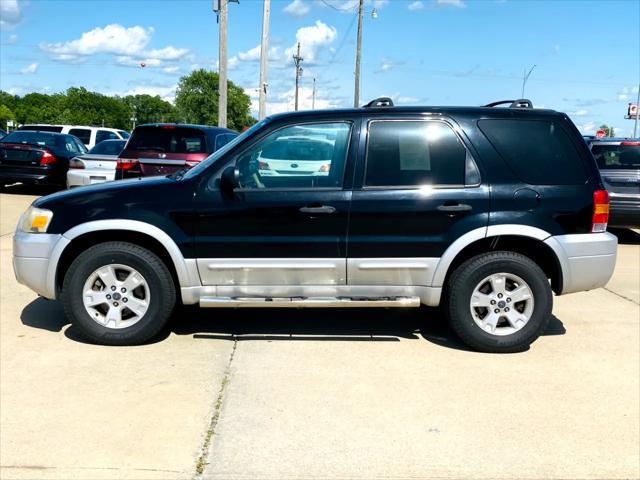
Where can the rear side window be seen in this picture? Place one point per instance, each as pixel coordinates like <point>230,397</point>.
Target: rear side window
<point>414,153</point>
<point>105,135</point>
<point>124,134</point>
<point>540,152</point>
<point>223,139</point>
<point>617,156</point>
<point>113,147</point>
<point>82,133</point>
<point>168,139</point>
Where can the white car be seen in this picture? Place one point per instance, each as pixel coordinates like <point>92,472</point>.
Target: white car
<point>90,136</point>
<point>296,156</point>
<point>97,166</point>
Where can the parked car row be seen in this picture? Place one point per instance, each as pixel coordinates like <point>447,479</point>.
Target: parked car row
<point>90,136</point>
<point>155,149</point>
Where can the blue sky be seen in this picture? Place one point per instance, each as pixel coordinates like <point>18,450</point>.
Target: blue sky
<point>435,52</point>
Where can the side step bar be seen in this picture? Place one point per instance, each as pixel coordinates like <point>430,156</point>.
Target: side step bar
<point>302,302</point>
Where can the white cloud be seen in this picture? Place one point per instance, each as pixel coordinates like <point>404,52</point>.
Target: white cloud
<point>252,55</point>
<point>578,113</point>
<point>312,40</point>
<point>135,62</point>
<point>627,93</point>
<point>167,93</point>
<point>387,64</point>
<point>29,69</point>
<point>450,3</point>
<point>417,5</point>
<point>12,40</point>
<point>10,13</point>
<point>297,8</point>
<point>285,101</point>
<point>128,43</point>
<point>173,69</point>
<point>588,128</point>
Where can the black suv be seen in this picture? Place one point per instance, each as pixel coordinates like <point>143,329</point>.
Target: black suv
<point>482,210</point>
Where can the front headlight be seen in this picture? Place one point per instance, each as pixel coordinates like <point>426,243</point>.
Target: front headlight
<point>36,220</point>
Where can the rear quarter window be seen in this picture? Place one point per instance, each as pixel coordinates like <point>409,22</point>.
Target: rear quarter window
<point>168,139</point>
<point>540,152</point>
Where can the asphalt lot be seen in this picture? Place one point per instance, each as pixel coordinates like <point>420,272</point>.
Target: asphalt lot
<point>320,394</point>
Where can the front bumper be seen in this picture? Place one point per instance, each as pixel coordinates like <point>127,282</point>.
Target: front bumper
<point>587,260</point>
<point>32,265</point>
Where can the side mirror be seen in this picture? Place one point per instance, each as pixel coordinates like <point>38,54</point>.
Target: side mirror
<point>230,179</point>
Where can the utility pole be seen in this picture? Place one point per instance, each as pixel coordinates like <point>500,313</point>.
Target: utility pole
<point>297,60</point>
<point>356,96</point>
<point>313,95</point>
<point>264,59</point>
<point>635,124</point>
<point>222,66</point>
<point>525,77</point>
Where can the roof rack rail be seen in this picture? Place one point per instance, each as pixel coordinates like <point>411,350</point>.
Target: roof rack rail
<point>380,102</point>
<point>520,103</point>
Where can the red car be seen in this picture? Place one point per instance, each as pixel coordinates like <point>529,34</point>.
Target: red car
<point>164,148</point>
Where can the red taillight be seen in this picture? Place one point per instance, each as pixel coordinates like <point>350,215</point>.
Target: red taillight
<point>126,164</point>
<point>168,127</point>
<point>600,216</point>
<point>263,165</point>
<point>47,158</point>
<point>630,144</point>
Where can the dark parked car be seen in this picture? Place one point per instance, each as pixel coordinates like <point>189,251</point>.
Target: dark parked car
<point>619,162</point>
<point>161,149</point>
<point>37,157</point>
<point>485,211</point>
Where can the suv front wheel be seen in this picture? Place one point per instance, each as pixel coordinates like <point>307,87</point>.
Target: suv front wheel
<point>118,293</point>
<point>499,302</point>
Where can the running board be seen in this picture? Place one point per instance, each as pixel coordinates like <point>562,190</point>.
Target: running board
<point>302,302</point>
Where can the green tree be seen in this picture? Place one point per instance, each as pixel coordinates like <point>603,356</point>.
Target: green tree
<point>82,107</point>
<point>8,100</point>
<point>5,114</point>
<point>151,109</point>
<point>38,108</point>
<point>609,131</point>
<point>197,100</point>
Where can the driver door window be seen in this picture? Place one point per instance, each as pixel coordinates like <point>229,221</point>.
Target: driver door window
<point>304,156</point>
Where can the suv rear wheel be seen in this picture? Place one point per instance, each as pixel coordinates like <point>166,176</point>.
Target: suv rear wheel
<point>499,302</point>
<point>118,293</point>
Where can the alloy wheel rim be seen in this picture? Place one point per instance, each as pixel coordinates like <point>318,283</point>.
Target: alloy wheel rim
<point>501,304</point>
<point>116,296</point>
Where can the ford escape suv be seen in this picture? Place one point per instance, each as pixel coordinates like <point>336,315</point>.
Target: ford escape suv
<point>484,211</point>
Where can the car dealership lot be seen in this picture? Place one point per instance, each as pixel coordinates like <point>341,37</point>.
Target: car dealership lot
<point>320,394</point>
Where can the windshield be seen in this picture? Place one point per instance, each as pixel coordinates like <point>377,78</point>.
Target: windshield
<point>618,157</point>
<point>168,138</point>
<point>211,159</point>
<point>32,137</point>
<point>108,147</point>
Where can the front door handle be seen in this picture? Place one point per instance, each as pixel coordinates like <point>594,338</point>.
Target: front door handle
<point>454,207</point>
<point>320,209</point>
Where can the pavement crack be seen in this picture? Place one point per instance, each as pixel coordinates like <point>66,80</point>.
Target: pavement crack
<point>622,296</point>
<point>201,462</point>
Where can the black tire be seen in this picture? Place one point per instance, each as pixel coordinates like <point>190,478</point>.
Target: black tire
<point>464,280</point>
<point>154,271</point>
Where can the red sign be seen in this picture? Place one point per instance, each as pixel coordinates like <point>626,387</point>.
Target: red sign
<point>601,134</point>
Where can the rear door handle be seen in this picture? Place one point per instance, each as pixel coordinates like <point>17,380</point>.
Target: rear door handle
<point>320,209</point>
<point>454,207</point>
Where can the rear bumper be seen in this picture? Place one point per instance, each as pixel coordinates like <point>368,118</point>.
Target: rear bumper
<point>587,260</point>
<point>625,213</point>
<point>30,178</point>
<point>80,178</point>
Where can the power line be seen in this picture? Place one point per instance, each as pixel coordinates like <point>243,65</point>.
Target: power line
<point>336,8</point>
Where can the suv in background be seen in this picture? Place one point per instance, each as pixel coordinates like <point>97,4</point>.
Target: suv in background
<point>619,162</point>
<point>485,211</point>
<point>164,148</point>
<point>37,157</point>
<point>90,136</point>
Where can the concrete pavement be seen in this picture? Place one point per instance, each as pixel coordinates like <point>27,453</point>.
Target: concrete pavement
<point>320,394</point>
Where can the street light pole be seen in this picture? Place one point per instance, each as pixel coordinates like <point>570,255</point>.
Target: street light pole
<point>264,59</point>
<point>222,66</point>
<point>297,60</point>
<point>356,95</point>
<point>635,123</point>
<point>525,77</point>
<point>313,95</point>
